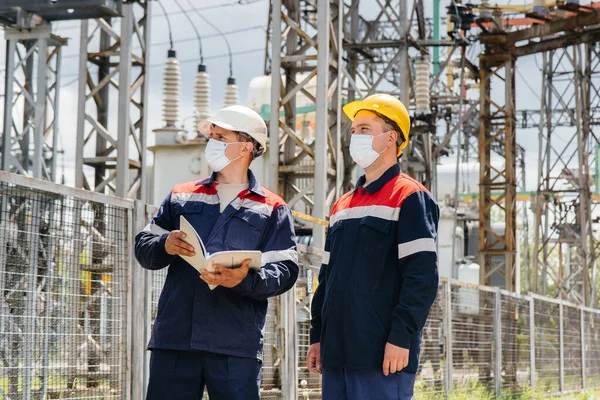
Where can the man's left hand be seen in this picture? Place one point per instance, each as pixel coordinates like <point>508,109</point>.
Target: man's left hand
<point>226,277</point>
<point>395,359</point>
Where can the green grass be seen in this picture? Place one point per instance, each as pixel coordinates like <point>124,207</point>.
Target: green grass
<point>479,392</point>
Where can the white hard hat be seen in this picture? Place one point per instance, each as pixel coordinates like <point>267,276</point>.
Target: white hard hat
<point>238,119</point>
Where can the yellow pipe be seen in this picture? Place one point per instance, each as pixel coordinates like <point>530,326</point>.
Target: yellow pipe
<point>517,8</point>
<point>309,218</point>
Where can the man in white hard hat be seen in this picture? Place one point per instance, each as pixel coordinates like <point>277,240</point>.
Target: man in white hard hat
<point>214,339</point>
<point>379,275</point>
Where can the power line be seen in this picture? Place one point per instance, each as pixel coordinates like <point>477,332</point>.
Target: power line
<point>190,60</point>
<point>221,33</point>
<point>195,30</point>
<point>528,85</point>
<point>166,15</point>
<point>191,39</point>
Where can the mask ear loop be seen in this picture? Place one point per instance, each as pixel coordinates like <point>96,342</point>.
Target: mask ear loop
<point>386,147</point>
<point>237,158</point>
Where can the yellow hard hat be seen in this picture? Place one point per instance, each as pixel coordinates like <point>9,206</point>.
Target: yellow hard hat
<point>386,105</point>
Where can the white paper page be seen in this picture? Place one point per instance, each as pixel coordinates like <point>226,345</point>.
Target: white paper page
<point>231,259</point>
<point>235,258</point>
<point>197,261</point>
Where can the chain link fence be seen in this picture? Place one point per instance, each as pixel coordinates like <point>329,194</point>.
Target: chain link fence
<point>76,314</point>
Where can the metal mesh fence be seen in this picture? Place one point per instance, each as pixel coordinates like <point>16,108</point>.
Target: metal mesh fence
<point>309,385</point>
<point>63,268</point>
<point>272,354</point>
<point>592,348</point>
<point>64,322</point>
<point>547,345</point>
<point>431,374</point>
<point>572,348</point>
<point>472,336</point>
<point>516,350</point>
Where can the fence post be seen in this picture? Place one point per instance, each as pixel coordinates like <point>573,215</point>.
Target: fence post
<point>447,291</point>
<point>138,316</point>
<point>582,322</point>
<point>498,342</point>
<point>289,380</point>
<point>562,347</point>
<point>532,342</point>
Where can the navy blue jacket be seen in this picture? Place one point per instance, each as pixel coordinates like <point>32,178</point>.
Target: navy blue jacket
<point>379,275</point>
<point>227,321</point>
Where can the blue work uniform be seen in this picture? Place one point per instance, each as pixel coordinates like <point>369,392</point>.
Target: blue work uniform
<point>377,283</point>
<point>218,330</point>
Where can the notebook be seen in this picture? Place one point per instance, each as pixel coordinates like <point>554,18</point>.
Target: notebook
<point>202,260</point>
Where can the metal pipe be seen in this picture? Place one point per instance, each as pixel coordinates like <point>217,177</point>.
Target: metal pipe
<point>123,127</point>
<point>532,342</point>
<point>498,342</point>
<point>39,111</point>
<point>457,173</point>
<point>81,114</point>
<point>561,334</point>
<point>30,336</point>
<point>436,36</point>
<point>8,102</point>
<point>55,123</point>
<point>322,120</point>
<point>403,71</point>
<point>273,170</point>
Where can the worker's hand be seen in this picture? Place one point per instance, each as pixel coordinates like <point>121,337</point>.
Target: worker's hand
<point>227,277</point>
<point>176,245</point>
<point>313,358</point>
<point>395,359</point>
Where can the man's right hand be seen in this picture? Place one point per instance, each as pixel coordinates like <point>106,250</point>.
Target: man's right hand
<point>313,358</point>
<point>176,245</point>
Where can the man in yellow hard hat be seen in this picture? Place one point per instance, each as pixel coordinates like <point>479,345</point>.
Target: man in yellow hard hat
<point>379,276</point>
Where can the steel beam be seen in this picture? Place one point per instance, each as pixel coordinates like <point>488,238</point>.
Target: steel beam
<point>497,130</point>
<point>301,164</point>
<point>117,168</point>
<point>564,225</point>
<point>30,140</point>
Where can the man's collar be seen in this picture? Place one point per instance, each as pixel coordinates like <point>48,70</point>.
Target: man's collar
<point>253,184</point>
<point>377,184</point>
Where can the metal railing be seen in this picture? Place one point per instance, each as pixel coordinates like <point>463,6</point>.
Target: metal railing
<point>76,313</point>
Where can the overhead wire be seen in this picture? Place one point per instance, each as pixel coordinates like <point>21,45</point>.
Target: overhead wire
<point>457,174</point>
<point>166,15</point>
<point>209,23</point>
<point>180,41</point>
<point>195,30</point>
<point>527,84</point>
<point>190,60</point>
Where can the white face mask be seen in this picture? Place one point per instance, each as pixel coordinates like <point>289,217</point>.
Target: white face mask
<point>215,155</point>
<point>361,149</point>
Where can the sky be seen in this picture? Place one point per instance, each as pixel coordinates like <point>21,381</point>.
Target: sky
<point>245,25</point>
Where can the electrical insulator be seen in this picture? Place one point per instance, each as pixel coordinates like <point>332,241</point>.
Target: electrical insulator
<point>460,17</point>
<point>422,101</point>
<point>449,77</point>
<point>231,93</point>
<point>485,13</point>
<point>539,7</point>
<point>171,90</point>
<point>202,94</point>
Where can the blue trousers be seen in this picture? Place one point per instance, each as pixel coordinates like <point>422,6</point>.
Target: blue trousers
<point>354,384</point>
<point>182,375</point>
